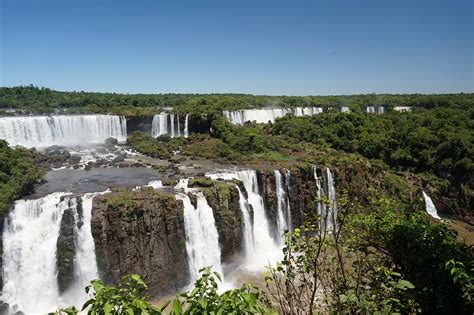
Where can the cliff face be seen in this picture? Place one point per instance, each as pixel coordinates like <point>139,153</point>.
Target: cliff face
<point>66,250</point>
<point>141,232</point>
<point>223,198</point>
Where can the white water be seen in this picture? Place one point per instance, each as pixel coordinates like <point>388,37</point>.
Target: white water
<point>30,234</point>
<point>321,206</point>
<point>169,124</point>
<point>263,116</point>
<point>202,239</point>
<point>373,110</point>
<point>283,207</point>
<point>249,244</point>
<point>266,249</point>
<point>30,238</point>
<point>85,264</point>
<point>332,210</point>
<point>430,207</point>
<point>402,108</point>
<point>345,109</point>
<point>66,130</point>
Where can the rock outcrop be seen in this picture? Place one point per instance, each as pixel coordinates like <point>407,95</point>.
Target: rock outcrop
<point>223,198</point>
<point>66,250</point>
<point>141,232</point>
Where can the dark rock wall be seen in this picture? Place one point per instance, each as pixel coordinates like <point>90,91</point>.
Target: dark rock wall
<point>141,232</point>
<point>223,198</point>
<point>66,250</point>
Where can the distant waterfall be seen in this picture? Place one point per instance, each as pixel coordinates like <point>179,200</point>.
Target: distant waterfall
<point>374,110</point>
<point>321,205</point>
<point>402,109</point>
<point>202,239</point>
<point>266,249</point>
<point>430,207</point>
<point>169,124</point>
<point>263,116</point>
<point>332,210</point>
<point>345,109</point>
<point>283,209</point>
<point>30,238</point>
<point>328,214</point>
<point>65,130</point>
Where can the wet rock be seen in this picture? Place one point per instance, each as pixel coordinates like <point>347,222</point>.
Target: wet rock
<point>118,159</point>
<point>66,250</point>
<point>141,232</point>
<point>111,142</point>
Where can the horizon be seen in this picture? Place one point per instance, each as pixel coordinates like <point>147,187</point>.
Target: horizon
<point>231,93</point>
<point>240,47</point>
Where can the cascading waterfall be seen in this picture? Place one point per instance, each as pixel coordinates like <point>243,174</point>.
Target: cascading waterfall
<point>30,238</point>
<point>263,116</point>
<point>283,211</point>
<point>430,207</point>
<point>186,126</point>
<point>266,248</point>
<point>30,234</point>
<point>332,210</point>
<point>44,131</point>
<point>202,239</point>
<point>345,109</point>
<point>248,226</point>
<point>402,109</point>
<point>169,124</point>
<point>328,213</point>
<point>373,109</point>
<point>321,206</point>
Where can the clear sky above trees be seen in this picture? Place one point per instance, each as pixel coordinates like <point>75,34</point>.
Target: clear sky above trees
<point>259,47</point>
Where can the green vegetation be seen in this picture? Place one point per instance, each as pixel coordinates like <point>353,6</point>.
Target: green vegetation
<point>18,174</point>
<point>148,145</point>
<point>438,141</point>
<point>39,100</point>
<point>130,298</point>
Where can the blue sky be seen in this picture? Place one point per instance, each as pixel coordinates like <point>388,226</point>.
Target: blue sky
<point>259,47</point>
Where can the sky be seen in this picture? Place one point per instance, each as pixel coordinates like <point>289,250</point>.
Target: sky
<point>259,47</point>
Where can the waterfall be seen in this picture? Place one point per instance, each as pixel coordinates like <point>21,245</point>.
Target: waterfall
<point>321,206</point>
<point>283,211</point>
<point>266,248</point>
<point>332,211</point>
<point>430,207</point>
<point>402,108</point>
<point>248,227</point>
<point>263,116</point>
<point>327,213</point>
<point>288,209</point>
<point>370,110</point>
<point>29,258</point>
<point>186,128</point>
<point>202,239</point>
<point>345,109</point>
<point>172,125</point>
<point>30,237</point>
<point>44,131</point>
<point>160,125</point>
<point>85,264</point>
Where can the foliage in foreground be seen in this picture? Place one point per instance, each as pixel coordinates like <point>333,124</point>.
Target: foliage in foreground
<point>130,298</point>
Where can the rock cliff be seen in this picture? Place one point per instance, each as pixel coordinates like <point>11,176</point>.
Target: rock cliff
<point>141,232</point>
